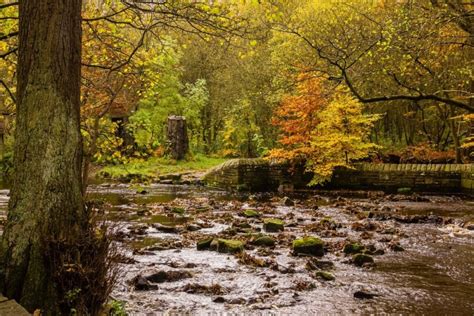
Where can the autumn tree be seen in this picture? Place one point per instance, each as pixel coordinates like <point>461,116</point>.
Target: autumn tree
<point>409,55</point>
<point>323,127</point>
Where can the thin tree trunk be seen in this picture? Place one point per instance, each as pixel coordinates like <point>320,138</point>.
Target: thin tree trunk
<point>46,202</point>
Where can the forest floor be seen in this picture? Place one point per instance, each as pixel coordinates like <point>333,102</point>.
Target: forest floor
<point>381,253</point>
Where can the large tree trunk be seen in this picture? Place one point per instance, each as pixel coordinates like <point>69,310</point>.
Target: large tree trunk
<point>46,203</point>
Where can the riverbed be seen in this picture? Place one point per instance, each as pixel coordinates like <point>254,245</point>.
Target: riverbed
<point>422,247</point>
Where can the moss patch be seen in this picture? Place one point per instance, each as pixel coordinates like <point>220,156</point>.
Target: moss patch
<point>326,276</point>
<point>250,213</point>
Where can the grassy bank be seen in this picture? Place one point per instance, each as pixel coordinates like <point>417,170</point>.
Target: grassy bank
<point>155,167</point>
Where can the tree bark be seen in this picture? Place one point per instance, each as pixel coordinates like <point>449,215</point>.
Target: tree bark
<point>177,137</point>
<point>46,200</point>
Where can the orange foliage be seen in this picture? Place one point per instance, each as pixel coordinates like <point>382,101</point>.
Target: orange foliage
<point>297,116</point>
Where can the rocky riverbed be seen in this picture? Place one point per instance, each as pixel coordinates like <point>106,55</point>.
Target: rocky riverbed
<point>192,250</point>
<point>374,252</point>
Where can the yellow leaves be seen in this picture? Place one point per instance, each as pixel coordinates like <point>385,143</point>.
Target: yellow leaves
<point>327,129</point>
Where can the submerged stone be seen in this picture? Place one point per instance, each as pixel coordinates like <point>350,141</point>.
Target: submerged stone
<point>142,284</point>
<point>168,276</point>
<point>362,259</point>
<point>204,244</point>
<point>250,213</point>
<point>264,241</point>
<point>273,225</point>
<point>308,245</point>
<point>325,276</point>
<point>353,248</point>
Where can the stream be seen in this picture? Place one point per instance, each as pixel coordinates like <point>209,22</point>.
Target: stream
<point>422,246</point>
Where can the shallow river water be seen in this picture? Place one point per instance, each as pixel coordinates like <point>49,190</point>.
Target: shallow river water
<point>423,252</point>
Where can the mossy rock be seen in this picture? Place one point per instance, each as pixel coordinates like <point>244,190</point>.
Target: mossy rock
<point>264,241</point>
<point>229,246</point>
<point>204,244</point>
<point>326,276</point>
<point>361,259</point>
<point>250,213</point>
<point>273,225</point>
<point>353,248</point>
<point>308,245</point>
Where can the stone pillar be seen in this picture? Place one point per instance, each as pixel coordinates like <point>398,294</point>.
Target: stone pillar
<point>177,134</point>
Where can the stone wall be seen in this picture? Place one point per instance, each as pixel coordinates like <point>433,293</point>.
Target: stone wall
<point>264,175</point>
<point>417,177</point>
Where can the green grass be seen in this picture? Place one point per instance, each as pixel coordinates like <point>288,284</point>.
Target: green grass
<point>155,167</point>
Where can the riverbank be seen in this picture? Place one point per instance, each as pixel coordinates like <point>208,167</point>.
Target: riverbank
<point>157,170</point>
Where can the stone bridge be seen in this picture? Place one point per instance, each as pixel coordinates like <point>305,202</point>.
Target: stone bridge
<point>267,175</point>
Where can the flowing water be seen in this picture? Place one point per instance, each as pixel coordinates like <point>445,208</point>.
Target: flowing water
<point>424,253</point>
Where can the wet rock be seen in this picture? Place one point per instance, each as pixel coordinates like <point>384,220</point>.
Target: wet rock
<point>362,259</point>
<point>273,225</point>
<point>308,245</point>
<point>326,276</point>
<point>138,230</point>
<point>168,276</point>
<point>195,288</point>
<point>287,201</point>
<point>314,264</point>
<point>166,228</point>
<point>142,284</point>
<point>364,295</point>
<point>250,213</point>
<point>236,301</point>
<point>469,225</point>
<point>193,227</point>
<point>227,245</point>
<point>264,241</point>
<point>219,299</point>
<point>204,244</point>
<point>353,248</point>
<point>395,246</point>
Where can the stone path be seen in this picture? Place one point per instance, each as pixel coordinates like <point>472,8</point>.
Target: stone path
<point>11,308</point>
